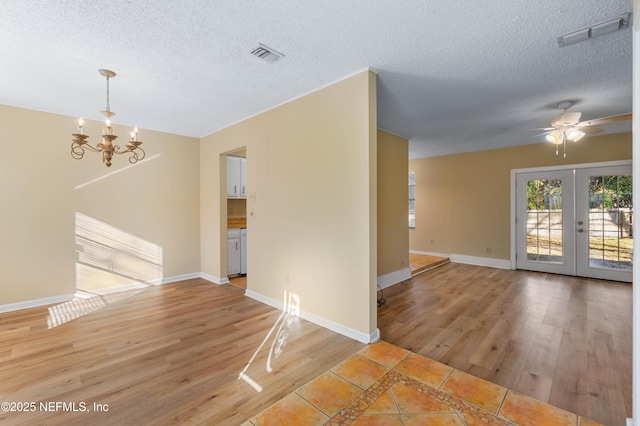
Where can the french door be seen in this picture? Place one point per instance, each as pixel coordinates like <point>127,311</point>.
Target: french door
<point>576,222</point>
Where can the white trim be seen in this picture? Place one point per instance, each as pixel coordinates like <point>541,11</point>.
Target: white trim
<point>118,288</point>
<point>512,195</point>
<point>374,336</point>
<point>395,277</point>
<point>635,295</point>
<point>429,253</point>
<point>469,260</point>
<point>67,297</point>
<point>177,278</point>
<point>572,166</point>
<point>480,261</point>
<point>323,322</point>
<point>142,284</point>
<point>213,279</point>
<point>164,280</point>
<point>53,300</point>
<point>292,99</point>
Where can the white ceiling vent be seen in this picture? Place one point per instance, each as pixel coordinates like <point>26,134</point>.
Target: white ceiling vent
<point>267,54</point>
<point>606,27</point>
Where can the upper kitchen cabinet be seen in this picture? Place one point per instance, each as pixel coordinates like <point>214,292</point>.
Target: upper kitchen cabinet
<point>236,177</point>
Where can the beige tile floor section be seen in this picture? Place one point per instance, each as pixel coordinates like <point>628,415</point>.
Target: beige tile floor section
<point>384,384</point>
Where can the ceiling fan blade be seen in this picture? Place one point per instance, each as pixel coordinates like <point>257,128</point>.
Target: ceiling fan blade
<point>605,120</point>
<point>591,130</point>
<point>570,117</point>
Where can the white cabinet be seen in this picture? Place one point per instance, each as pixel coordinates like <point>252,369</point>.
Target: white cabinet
<point>233,251</point>
<point>236,177</point>
<point>243,251</point>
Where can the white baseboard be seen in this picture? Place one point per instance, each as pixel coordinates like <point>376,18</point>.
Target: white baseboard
<point>629,421</point>
<point>174,279</point>
<point>213,279</point>
<point>429,253</point>
<point>143,284</point>
<point>469,260</point>
<point>395,277</point>
<point>67,297</point>
<point>481,261</point>
<point>35,303</point>
<point>323,322</point>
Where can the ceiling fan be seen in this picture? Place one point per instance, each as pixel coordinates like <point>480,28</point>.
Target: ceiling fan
<point>568,127</point>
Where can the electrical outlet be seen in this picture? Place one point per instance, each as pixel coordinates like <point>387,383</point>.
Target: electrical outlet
<point>488,250</point>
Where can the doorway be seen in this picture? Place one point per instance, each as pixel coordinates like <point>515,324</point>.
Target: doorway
<point>234,214</point>
<point>576,221</point>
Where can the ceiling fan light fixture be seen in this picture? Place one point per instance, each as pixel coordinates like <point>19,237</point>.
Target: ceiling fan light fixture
<point>575,135</point>
<point>554,137</point>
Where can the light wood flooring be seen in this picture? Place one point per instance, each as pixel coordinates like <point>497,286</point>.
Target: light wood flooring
<point>420,263</point>
<point>562,340</point>
<point>239,281</point>
<point>170,354</point>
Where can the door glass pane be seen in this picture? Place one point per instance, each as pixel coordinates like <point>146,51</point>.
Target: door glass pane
<point>412,200</point>
<point>544,220</point>
<point>610,222</point>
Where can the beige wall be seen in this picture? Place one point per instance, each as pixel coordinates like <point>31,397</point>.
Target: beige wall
<point>311,206</point>
<point>152,204</point>
<point>463,201</point>
<point>393,204</point>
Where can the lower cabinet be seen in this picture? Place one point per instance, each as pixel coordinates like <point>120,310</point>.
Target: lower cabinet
<point>233,251</point>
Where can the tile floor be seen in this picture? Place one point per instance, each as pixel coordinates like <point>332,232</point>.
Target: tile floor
<point>384,384</point>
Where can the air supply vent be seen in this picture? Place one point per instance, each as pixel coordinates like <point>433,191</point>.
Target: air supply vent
<point>602,28</point>
<point>267,54</point>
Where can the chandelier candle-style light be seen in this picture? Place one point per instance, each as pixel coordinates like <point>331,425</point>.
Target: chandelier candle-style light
<point>106,147</point>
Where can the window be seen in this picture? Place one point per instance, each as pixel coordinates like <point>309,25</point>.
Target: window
<point>412,200</point>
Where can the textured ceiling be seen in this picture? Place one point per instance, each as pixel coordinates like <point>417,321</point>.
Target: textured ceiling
<point>452,76</point>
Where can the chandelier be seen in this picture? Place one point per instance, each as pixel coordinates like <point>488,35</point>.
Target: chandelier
<point>106,147</point>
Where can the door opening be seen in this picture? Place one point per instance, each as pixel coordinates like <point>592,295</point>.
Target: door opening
<point>576,221</point>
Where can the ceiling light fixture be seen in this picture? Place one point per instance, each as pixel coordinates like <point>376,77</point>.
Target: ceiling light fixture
<point>602,28</point>
<point>562,135</point>
<point>106,147</point>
